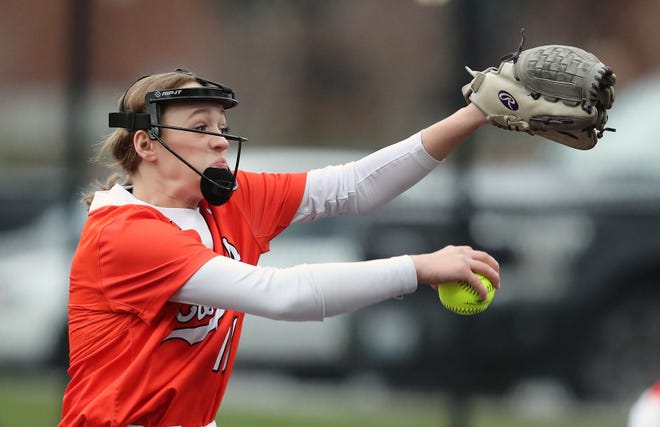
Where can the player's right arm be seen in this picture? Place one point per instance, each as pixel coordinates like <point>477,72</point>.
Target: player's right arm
<point>317,291</point>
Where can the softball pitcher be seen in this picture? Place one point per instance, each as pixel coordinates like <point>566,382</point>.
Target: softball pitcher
<point>166,264</point>
<point>165,267</point>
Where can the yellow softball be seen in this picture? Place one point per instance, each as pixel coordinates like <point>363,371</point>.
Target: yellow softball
<point>461,298</point>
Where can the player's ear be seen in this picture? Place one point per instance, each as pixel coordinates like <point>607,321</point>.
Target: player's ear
<point>144,146</point>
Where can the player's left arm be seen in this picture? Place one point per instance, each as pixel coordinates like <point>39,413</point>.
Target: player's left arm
<point>376,179</point>
<point>441,138</point>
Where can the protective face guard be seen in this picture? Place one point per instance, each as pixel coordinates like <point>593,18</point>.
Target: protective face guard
<point>216,184</point>
<point>150,121</point>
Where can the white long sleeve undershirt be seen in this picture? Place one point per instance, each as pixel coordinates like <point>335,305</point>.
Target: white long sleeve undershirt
<point>365,184</point>
<point>303,292</point>
<point>316,291</point>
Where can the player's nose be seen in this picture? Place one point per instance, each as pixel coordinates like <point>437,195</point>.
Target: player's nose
<point>219,143</point>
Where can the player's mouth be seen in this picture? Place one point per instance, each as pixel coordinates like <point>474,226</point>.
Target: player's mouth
<point>220,163</point>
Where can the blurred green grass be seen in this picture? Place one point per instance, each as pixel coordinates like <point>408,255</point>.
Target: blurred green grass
<point>35,401</point>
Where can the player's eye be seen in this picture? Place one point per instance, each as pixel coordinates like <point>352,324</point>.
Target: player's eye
<point>201,127</point>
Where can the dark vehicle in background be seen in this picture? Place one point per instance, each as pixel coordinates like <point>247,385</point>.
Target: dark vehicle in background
<point>577,235</point>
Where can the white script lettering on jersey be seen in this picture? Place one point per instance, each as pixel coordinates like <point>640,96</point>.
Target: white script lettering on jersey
<point>196,334</point>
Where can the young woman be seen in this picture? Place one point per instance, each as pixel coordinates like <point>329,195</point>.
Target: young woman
<point>166,265</point>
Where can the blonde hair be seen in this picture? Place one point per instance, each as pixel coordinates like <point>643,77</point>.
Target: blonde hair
<point>119,144</point>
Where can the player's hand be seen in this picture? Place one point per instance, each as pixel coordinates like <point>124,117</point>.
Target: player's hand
<point>455,264</point>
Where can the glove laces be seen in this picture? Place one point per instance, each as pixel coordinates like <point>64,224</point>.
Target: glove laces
<point>513,56</point>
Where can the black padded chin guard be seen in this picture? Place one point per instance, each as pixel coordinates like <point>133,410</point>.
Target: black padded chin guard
<point>217,185</point>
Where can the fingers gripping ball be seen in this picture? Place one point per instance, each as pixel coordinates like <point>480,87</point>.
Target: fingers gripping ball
<point>461,298</point>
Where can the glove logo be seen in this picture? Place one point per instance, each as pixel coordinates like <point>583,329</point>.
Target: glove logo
<point>508,100</point>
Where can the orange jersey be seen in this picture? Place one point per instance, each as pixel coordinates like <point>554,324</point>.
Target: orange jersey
<point>137,358</point>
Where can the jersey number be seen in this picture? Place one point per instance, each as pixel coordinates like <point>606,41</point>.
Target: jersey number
<point>225,351</point>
